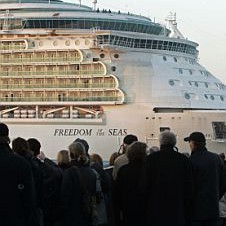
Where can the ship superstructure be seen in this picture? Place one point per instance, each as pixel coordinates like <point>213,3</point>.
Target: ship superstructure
<point>69,71</point>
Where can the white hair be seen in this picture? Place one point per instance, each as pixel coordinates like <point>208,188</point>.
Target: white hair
<point>168,139</point>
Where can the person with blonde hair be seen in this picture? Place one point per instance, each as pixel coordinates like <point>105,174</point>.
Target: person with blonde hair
<point>63,159</point>
<point>78,181</point>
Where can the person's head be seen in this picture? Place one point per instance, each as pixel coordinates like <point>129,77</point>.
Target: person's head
<point>136,152</point>
<point>128,139</point>
<point>20,146</point>
<point>63,157</point>
<point>78,153</point>
<point>84,143</point>
<point>35,146</point>
<point>197,141</point>
<point>153,149</point>
<point>4,133</point>
<point>167,139</point>
<point>222,155</point>
<point>96,159</point>
<point>114,156</point>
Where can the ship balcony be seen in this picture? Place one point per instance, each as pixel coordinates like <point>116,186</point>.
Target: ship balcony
<point>44,60</point>
<point>35,86</point>
<point>115,99</point>
<point>12,47</point>
<point>83,73</point>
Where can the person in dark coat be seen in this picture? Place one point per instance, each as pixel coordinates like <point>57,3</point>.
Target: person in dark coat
<point>21,147</point>
<point>52,176</point>
<point>17,185</point>
<point>169,184</point>
<point>130,186</point>
<point>77,180</point>
<point>209,181</point>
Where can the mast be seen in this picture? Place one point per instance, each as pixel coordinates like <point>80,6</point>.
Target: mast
<point>94,5</point>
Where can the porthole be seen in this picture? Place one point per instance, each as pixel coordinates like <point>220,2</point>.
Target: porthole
<point>87,42</point>
<point>175,59</point>
<point>113,68</point>
<point>180,70</point>
<point>212,97</point>
<point>40,43</point>
<point>67,43</point>
<point>77,42</point>
<point>116,55</point>
<point>102,55</point>
<point>187,96</point>
<point>222,98</point>
<point>164,58</point>
<point>206,96</point>
<point>171,82</point>
<point>55,43</point>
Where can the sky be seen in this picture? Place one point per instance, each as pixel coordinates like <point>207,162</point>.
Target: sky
<point>202,21</point>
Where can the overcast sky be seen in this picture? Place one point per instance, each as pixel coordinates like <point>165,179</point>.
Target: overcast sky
<point>202,21</point>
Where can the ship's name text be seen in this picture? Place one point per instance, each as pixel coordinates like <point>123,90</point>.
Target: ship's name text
<point>90,132</point>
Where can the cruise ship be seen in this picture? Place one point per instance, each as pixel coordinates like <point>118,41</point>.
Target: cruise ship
<point>70,71</point>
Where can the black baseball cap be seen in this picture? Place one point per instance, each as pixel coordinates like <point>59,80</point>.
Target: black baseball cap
<point>196,136</point>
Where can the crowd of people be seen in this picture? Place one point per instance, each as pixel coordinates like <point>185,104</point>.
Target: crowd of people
<point>155,186</point>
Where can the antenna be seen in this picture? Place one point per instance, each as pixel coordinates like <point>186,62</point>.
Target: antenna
<point>80,2</point>
<point>94,4</point>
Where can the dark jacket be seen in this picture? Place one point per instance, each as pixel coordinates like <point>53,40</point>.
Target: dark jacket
<point>71,193</point>
<point>51,181</point>
<point>209,184</point>
<point>17,186</point>
<point>131,194</point>
<point>169,188</point>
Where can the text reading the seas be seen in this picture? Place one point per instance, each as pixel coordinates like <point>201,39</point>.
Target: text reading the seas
<point>90,132</point>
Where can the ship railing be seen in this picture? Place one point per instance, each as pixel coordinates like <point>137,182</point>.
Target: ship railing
<point>64,99</point>
<point>39,59</point>
<point>32,73</point>
<point>12,47</point>
<point>56,85</point>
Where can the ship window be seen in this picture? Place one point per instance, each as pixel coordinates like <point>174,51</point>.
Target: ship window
<point>162,129</point>
<point>102,55</point>
<point>87,42</point>
<point>190,71</point>
<point>55,43</point>
<point>180,70</point>
<point>219,129</point>
<point>212,97</point>
<point>116,55</point>
<point>190,83</point>
<point>41,43</point>
<point>67,43</point>
<point>171,82</point>
<point>164,58</point>
<point>175,59</point>
<point>113,68</point>
<point>196,84</point>
<point>222,98</point>
<point>187,96</point>
<point>206,96</point>
<point>77,42</point>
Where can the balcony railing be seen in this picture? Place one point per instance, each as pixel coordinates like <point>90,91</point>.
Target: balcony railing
<point>57,86</point>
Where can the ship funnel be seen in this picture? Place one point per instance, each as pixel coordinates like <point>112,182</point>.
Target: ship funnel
<point>172,25</point>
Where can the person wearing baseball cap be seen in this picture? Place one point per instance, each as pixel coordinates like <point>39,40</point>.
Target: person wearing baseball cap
<point>209,179</point>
